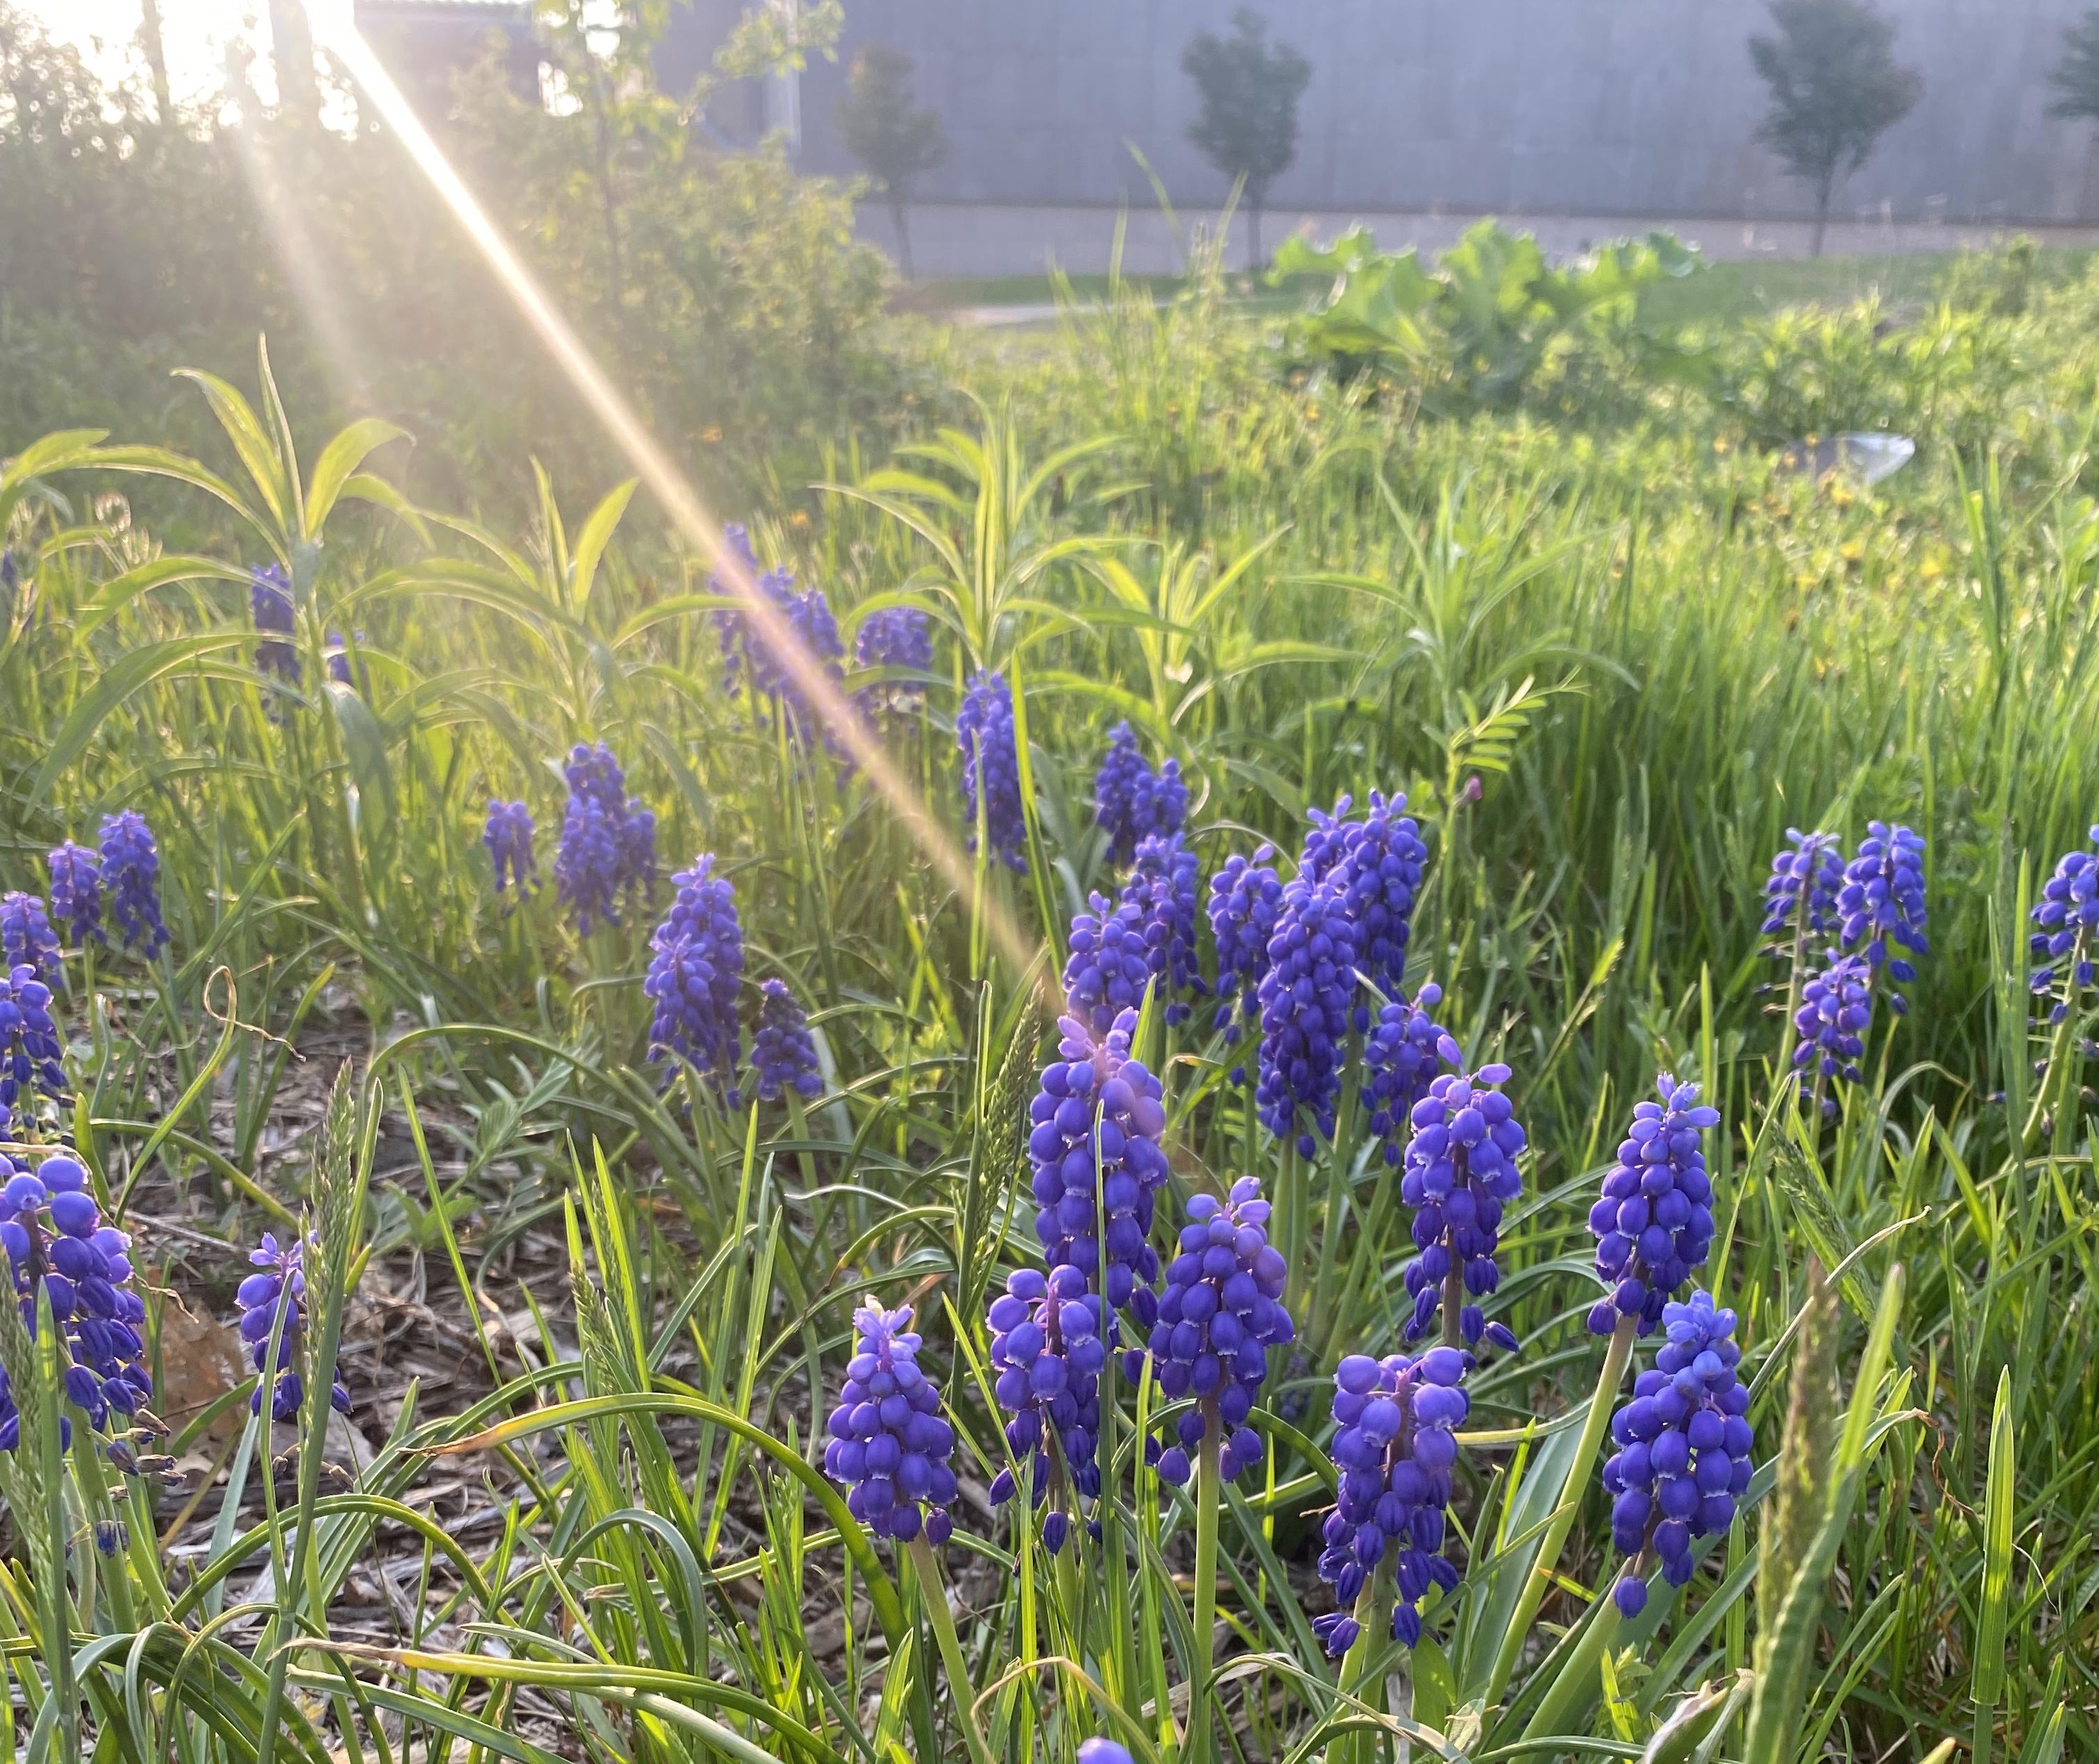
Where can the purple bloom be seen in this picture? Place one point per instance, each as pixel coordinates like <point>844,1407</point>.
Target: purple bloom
<point>694,978</point>
<point>1306,997</point>
<point>1401,1056</point>
<point>1801,895</point>
<point>1220,1313</point>
<point>2067,912</point>
<point>338,662</point>
<point>270,601</point>
<point>1882,903</point>
<point>898,638</point>
<point>1108,964</point>
<point>1376,864</point>
<point>1654,1222</point>
<point>508,837</point>
<point>1460,1173</point>
<point>1131,802</point>
<point>783,1054</point>
<point>889,1446</point>
<point>1683,1441</point>
<point>1835,1010</point>
<point>53,1232</point>
<point>77,893</point>
<point>608,848</point>
<point>1103,1752</point>
<point>26,939</point>
<point>1162,889</point>
<point>273,1299</point>
<point>747,653</point>
<point>1093,1134</point>
<point>1245,901</point>
<point>991,769</point>
<point>1395,1439</point>
<point>1047,1351</point>
<point>131,874</point>
<point>29,1038</point>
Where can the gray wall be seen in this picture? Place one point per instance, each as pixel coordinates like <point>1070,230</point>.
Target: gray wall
<point>1537,106</point>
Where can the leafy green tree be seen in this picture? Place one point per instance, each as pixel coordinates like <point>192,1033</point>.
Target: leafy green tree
<point>1835,88</point>
<point>886,133</point>
<point>2076,76</point>
<point>1247,125</point>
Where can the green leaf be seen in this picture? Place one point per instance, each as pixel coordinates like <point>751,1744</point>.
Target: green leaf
<point>258,454</point>
<point>592,541</point>
<point>1994,1613</point>
<point>339,463</point>
<point>130,671</point>
<point>364,745</point>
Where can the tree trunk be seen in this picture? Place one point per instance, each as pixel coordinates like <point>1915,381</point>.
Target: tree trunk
<point>156,50</point>
<point>1822,195</point>
<point>903,236</point>
<point>1254,259</point>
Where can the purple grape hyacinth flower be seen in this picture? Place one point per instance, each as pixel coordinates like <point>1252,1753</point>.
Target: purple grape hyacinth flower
<point>1401,1057</point>
<point>2067,913</point>
<point>748,655</point>
<point>29,1048</point>
<point>1220,1313</point>
<point>694,978</point>
<point>508,835</point>
<point>77,893</point>
<point>899,638</point>
<point>1109,966</point>
<point>1882,903</point>
<point>1246,900</point>
<point>783,1054</point>
<point>1377,867</point>
<point>889,1446</point>
<point>26,939</point>
<point>1395,1439</point>
<point>1654,1222</point>
<point>1835,1010</point>
<point>991,769</point>
<point>1459,1173</point>
<point>1801,895</point>
<point>607,854</point>
<point>1162,888</point>
<point>1047,1352</point>
<point>1305,998</point>
<point>1683,1462</point>
<point>273,1298</point>
<point>270,601</point>
<point>1131,802</point>
<point>1094,1127</point>
<point>131,878</point>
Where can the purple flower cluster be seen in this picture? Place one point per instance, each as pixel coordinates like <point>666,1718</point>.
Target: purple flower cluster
<point>1835,1010</point>
<point>273,1300</point>
<point>694,975</point>
<point>1220,1313</point>
<point>1654,1222</point>
<point>26,939</point>
<point>1683,1441</point>
<point>1246,900</point>
<point>1093,1135</point>
<point>991,769</point>
<point>1459,1173</point>
<point>270,601</point>
<point>889,1446</point>
<point>1108,964</point>
<point>1131,802</point>
<point>1801,895</point>
<point>1395,1439</point>
<point>1404,1054</point>
<point>1376,864</point>
<point>1305,998</point>
<point>608,850</point>
<point>2066,914</point>
<point>1882,903</point>
<point>1161,888</point>
<point>29,1038</point>
<point>898,638</point>
<point>783,1054</point>
<point>745,653</point>
<point>53,1232</point>
<point>77,893</point>
<point>508,836</point>
<point>1047,1352</point>
<point>131,881</point>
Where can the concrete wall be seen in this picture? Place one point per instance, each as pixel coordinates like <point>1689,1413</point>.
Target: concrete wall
<point>1596,108</point>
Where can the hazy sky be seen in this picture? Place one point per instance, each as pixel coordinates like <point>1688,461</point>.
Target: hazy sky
<point>196,31</point>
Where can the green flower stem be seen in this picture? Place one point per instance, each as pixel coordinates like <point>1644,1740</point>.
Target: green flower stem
<point>1577,1676</point>
<point>933,1590</point>
<point>1208,1492</point>
<point>1344,1158</point>
<point>1355,1677</point>
<point>1570,1502</point>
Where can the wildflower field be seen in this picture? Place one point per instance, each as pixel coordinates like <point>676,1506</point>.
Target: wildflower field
<point>1244,1053</point>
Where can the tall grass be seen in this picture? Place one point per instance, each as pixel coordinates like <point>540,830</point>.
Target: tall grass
<point>1652,655</point>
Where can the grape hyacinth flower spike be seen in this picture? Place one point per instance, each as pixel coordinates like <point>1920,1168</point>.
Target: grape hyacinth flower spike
<point>783,1054</point>
<point>898,637</point>
<point>991,769</point>
<point>1459,1173</point>
<point>1654,1222</point>
<point>1162,890</point>
<point>1221,1312</point>
<point>1047,1352</point>
<point>1109,966</point>
<point>1245,898</point>
<point>1377,868</point>
<point>1800,898</point>
<point>1131,802</point>
<point>508,835</point>
<point>1305,998</point>
<point>1835,1010</point>
<point>1103,1752</point>
<point>273,1300</point>
<point>270,601</point>
<point>1097,1116</point>
<point>77,893</point>
<point>54,1233</point>
<point>608,848</point>
<point>747,654</point>
<point>1683,1462</point>
<point>131,876</point>
<point>2067,914</point>
<point>1395,1439</point>
<point>1882,903</point>
<point>1401,1058</point>
<point>889,1446</point>
<point>694,975</point>
<point>26,939</point>
<point>28,1042</point>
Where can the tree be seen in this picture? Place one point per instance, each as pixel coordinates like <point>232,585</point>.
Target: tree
<point>887,134</point>
<point>2076,76</point>
<point>1835,89</point>
<point>1247,125</point>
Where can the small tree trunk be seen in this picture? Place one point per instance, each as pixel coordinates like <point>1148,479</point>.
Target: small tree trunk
<point>155,50</point>
<point>903,236</point>
<point>1821,212</point>
<point>1254,259</point>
